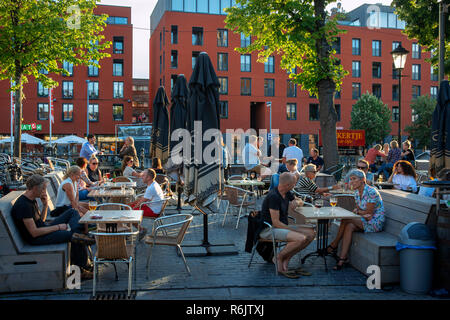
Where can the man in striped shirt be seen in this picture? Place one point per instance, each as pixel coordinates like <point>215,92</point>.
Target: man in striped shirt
<point>306,185</point>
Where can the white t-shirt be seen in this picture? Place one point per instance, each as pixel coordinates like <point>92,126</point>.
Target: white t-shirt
<point>404,182</point>
<point>294,152</point>
<point>250,156</point>
<point>128,172</point>
<point>156,195</point>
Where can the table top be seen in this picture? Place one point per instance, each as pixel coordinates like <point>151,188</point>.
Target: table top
<point>325,213</point>
<point>246,183</point>
<point>119,184</point>
<point>111,193</point>
<point>113,216</point>
<point>384,184</point>
<point>437,183</point>
<point>342,191</point>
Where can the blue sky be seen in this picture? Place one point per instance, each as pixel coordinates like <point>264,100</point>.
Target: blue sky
<point>140,18</point>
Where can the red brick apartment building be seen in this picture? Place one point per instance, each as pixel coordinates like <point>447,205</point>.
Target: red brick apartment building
<point>110,90</point>
<point>140,102</point>
<point>181,29</point>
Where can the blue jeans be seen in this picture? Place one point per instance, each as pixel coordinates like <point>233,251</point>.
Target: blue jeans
<point>82,195</point>
<point>384,168</point>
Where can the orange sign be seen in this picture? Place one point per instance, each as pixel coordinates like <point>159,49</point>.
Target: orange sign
<point>348,138</point>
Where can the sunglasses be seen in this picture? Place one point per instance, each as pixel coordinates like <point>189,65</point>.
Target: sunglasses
<point>95,163</point>
<point>131,160</point>
<point>362,168</point>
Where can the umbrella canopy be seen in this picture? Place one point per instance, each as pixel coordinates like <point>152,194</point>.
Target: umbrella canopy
<point>72,139</point>
<point>440,131</point>
<point>178,109</point>
<point>160,130</point>
<point>26,138</point>
<point>202,179</point>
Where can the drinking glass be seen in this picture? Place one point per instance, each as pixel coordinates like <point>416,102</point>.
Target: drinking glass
<point>123,189</point>
<point>244,175</point>
<point>333,203</point>
<point>318,204</point>
<point>92,205</point>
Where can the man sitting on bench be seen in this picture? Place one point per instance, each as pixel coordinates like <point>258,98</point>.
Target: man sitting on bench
<point>34,230</point>
<point>275,210</point>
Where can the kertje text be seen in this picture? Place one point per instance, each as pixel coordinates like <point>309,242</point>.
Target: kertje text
<point>374,280</point>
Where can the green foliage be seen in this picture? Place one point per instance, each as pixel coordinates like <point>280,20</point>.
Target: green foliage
<point>422,110</point>
<point>422,23</point>
<point>41,34</point>
<point>372,115</point>
<point>293,30</point>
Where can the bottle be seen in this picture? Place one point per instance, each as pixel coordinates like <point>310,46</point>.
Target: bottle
<point>380,178</point>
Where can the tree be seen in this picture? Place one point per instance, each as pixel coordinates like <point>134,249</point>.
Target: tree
<point>302,34</point>
<point>41,35</point>
<point>422,112</point>
<point>370,114</point>
<point>422,23</point>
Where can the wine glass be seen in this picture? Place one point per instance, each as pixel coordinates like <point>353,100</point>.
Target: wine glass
<point>333,203</point>
<point>318,204</point>
<point>244,175</point>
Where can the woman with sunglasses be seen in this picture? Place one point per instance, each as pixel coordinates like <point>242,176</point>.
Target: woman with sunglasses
<point>127,168</point>
<point>94,173</point>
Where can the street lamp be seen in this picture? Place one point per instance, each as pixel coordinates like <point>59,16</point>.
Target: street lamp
<point>399,56</point>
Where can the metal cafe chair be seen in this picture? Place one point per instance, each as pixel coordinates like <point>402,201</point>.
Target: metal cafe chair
<point>237,198</point>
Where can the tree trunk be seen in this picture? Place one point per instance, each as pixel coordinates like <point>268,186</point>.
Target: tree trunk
<point>17,152</point>
<point>326,88</point>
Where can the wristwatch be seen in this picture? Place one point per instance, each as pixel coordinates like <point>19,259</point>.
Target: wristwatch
<point>330,188</point>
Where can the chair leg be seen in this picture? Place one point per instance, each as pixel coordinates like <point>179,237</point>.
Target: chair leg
<point>130,272</point>
<point>253,253</point>
<point>115,270</point>
<point>184,259</point>
<point>239,217</point>
<point>275,255</point>
<point>225,214</point>
<point>95,276</point>
<point>149,256</point>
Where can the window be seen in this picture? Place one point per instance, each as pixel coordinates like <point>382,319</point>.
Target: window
<point>174,59</point>
<point>93,112</point>
<point>118,112</point>
<point>416,51</point>
<point>356,69</point>
<point>67,109</point>
<point>291,111</point>
<point>222,38</point>
<point>246,63</point>
<point>434,74</point>
<point>222,61</point>
<point>395,73</point>
<point>118,45</point>
<point>246,86</point>
<point>395,44</point>
<point>118,89</point>
<point>67,88</point>
<point>42,111</point>
<point>337,107</point>
<point>173,79</point>
<point>93,89</point>
<point>160,64</point>
<point>223,105</point>
<point>291,89</point>
<point>177,5</point>
<point>214,6</point>
<point>118,68</point>
<point>337,45</point>
<point>174,34</point>
<point>376,90</point>
<point>434,92</point>
<point>160,40</point>
<point>415,92</point>
<point>68,67</point>
<point>269,65</point>
<point>202,6</point>
<point>190,6</point>
<point>194,58</point>
<point>224,4</point>
<point>376,70</point>
<point>356,47</point>
<point>416,72</point>
<point>269,87</point>
<point>93,70</point>
<point>197,36</point>
<point>42,91</point>
<point>245,40</point>
<point>356,90</point>
<point>395,92</point>
<point>223,89</point>
<point>314,112</point>
<point>394,114</point>
<point>376,48</point>
<point>117,20</point>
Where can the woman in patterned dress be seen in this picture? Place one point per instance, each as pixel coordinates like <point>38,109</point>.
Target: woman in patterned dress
<point>369,206</point>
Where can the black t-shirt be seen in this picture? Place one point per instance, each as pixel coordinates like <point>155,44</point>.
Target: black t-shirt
<point>317,162</point>
<point>25,208</point>
<point>409,156</point>
<point>94,175</point>
<point>275,201</point>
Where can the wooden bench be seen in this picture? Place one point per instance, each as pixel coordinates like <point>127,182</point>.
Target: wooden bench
<point>25,267</point>
<point>378,248</point>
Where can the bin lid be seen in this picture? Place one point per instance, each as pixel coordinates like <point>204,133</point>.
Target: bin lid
<point>416,234</point>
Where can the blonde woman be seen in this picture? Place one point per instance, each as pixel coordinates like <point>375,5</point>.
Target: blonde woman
<point>94,173</point>
<point>128,149</point>
<point>67,196</point>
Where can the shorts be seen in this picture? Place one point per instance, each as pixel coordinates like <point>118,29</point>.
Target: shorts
<point>279,234</point>
<point>148,212</point>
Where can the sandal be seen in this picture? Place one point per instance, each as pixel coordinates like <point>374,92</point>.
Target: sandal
<point>339,266</point>
<point>333,249</point>
<point>289,274</point>
<point>301,271</point>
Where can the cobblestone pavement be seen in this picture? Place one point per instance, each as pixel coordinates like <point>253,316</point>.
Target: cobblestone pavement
<point>225,277</point>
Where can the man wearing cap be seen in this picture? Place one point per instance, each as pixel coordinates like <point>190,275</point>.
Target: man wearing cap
<point>306,185</point>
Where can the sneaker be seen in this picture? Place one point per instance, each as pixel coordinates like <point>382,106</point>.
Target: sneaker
<point>142,233</point>
<point>82,238</point>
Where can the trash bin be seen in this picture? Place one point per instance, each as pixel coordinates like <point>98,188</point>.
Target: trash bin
<point>416,246</point>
